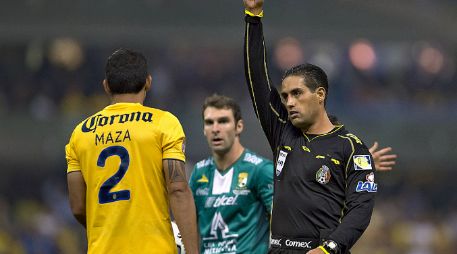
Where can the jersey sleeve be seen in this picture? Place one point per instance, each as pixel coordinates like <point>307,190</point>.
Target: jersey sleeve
<point>264,184</point>
<point>265,98</point>
<point>192,180</point>
<point>360,195</point>
<point>71,155</point>
<point>173,138</point>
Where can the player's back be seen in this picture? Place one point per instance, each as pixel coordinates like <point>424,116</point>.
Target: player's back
<point>119,151</point>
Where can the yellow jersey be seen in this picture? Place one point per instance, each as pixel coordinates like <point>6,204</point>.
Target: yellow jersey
<point>119,151</point>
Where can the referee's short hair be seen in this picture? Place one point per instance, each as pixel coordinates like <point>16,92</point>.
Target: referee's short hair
<point>222,102</point>
<point>313,75</point>
<point>126,71</point>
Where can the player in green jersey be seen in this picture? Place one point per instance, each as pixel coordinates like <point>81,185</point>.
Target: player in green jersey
<point>233,188</point>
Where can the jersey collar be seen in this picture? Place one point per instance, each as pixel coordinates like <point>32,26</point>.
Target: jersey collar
<point>120,105</point>
<point>311,137</point>
<point>223,172</point>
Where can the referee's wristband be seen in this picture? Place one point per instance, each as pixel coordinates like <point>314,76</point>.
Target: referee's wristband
<point>323,249</point>
<point>260,15</point>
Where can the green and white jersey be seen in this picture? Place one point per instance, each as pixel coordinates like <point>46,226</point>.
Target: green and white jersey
<point>234,206</point>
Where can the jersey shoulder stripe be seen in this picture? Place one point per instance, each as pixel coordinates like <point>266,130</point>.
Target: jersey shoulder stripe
<point>252,158</point>
<point>203,163</point>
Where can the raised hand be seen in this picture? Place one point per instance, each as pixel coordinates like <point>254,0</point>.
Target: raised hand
<point>383,159</point>
<point>254,6</point>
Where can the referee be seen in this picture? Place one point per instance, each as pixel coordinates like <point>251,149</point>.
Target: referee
<point>324,186</point>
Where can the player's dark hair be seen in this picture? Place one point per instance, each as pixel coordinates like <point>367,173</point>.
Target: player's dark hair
<point>222,102</point>
<point>313,75</point>
<point>126,71</point>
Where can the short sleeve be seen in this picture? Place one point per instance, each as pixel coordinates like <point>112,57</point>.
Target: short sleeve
<point>173,138</point>
<point>264,184</point>
<point>71,156</point>
<point>192,180</point>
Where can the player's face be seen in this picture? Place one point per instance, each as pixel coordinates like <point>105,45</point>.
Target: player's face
<point>220,129</point>
<point>301,103</point>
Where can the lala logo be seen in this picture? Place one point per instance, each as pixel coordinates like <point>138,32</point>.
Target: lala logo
<point>369,185</point>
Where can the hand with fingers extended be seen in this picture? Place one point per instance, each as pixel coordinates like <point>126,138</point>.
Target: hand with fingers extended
<point>254,6</point>
<point>384,160</point>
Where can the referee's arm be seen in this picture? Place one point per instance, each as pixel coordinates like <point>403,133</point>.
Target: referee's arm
<point>265,98</point>
<point>359,201</point>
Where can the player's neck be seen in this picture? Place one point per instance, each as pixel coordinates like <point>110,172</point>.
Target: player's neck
<point>225,160</point>
<point>322,125</point>
<point>128,98</point>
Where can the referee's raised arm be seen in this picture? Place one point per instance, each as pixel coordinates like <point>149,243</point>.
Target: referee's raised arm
<point>254,56</point>
<point>265,98</point>
<point>255,7</point>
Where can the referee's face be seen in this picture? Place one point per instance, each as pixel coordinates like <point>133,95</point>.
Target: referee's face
<point>220,129</point>
<point>302,104</point>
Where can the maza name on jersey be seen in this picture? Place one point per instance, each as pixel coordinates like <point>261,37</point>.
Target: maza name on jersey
<point>112,137</point>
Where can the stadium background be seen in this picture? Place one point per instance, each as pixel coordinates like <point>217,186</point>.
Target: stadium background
<point>392,68</point>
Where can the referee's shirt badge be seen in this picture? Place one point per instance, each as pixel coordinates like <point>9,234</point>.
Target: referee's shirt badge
<point>323,175</point>
<point>362,162</point>
<point>280,162</point>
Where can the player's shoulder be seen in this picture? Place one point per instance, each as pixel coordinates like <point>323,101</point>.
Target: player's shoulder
<point>201,171</point>
<point>355,149</point>
<point>351,139</point>
<point>158,113</point>
<point>89,123</point>
<point>163,116</point>
<point>203,164</point>
<point>254,159</point>
<point>258,166</point>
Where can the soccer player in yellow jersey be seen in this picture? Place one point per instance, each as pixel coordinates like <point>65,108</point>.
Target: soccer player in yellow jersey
<point>126,169</point>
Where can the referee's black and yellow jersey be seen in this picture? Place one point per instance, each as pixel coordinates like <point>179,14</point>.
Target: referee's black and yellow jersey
<point>324,184</point>
<point>119,152</point>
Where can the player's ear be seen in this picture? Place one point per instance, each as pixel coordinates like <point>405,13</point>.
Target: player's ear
<point>147,86</point>
<point>239,126</point>
<point>321,94</point>
<point>106,87</point>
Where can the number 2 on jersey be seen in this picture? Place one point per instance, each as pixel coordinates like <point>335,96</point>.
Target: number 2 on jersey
<point>104,195</point>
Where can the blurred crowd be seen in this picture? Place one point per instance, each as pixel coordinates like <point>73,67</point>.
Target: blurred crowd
<point>40,222</point>
<point>63,77</point>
